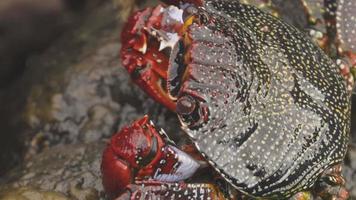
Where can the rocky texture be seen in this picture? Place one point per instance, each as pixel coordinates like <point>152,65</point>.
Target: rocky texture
<point>27,27</point>
<point>25,193</point>
<point>349,171</point>
<point>86,94</point>
<point>69,169</point>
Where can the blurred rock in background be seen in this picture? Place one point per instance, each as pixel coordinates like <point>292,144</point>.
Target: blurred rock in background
<point>353,118</point>
<point>30,26</point>
<point>26,27</point>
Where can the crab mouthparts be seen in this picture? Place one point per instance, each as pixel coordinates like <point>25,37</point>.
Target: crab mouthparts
<point>156,52</point>
<point>174,43</point>
<point>164,37</point>
<point>170,39</point>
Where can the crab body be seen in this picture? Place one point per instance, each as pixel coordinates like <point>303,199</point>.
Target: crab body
<point>262,104</point>
<point>278,108</point>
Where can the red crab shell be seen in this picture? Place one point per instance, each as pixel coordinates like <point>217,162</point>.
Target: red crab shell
<point>141,153</point>
<point>157,70</point>
<point>146,65</point>
<point>126,153</point>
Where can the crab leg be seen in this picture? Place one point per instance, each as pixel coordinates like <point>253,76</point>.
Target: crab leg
<point>177,191</point>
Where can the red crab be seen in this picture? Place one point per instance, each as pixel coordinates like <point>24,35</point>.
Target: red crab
<point>264,107</point>
<point>145,163</point>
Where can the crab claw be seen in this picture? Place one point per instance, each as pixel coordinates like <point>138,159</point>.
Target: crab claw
<point>152,51</point>
<point>140,152</point>
<point>131,149</point>
<point>112,166</point>
<point>144,41</point>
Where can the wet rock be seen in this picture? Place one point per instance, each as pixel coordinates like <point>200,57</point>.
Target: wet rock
<point>349,171</point>
<point>73,170</point>
<point>26,27</point>
<point>25,193</point>
<point>353,117</point>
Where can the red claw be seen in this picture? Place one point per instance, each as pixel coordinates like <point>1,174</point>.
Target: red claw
<point>112,166</point>
<point>131,149</point>
<point>140,153</point>
<point>135,143</point>
<point>145,63</point>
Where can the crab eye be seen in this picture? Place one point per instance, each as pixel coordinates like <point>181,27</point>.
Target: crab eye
<point>185,105</point>
<point>189,111</point>
<point>189,11</point>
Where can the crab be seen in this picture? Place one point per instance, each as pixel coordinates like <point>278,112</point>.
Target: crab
<point>266,110</point>
<point>158,166</point>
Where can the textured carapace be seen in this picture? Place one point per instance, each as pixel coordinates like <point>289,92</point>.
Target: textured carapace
<point>346,24</point>
<point>275,109</point>
<point>265,106</point>
<point>346,29</point>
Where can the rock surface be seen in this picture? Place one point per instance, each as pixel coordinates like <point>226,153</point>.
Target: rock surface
<point>349,171</point>
<point>25,193</point>
<point>68,169</point>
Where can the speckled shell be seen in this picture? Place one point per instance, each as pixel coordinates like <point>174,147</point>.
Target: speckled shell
<point>346,24</point>
<point>278,108</point>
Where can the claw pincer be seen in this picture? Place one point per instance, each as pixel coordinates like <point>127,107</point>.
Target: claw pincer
<point>141,153</point>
